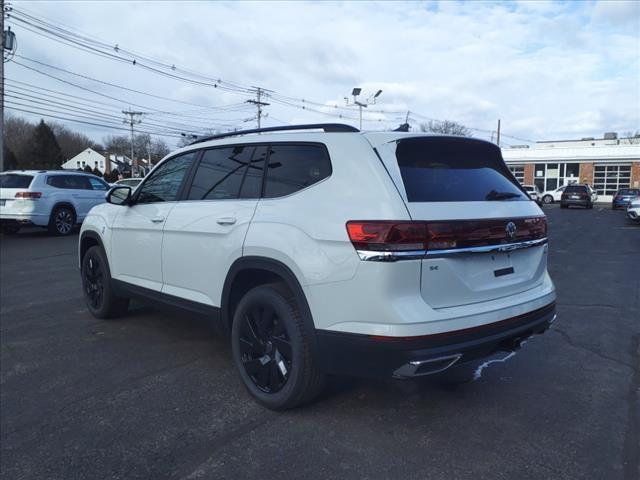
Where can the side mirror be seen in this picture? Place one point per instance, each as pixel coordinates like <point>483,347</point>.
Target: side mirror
<point>120,195</point>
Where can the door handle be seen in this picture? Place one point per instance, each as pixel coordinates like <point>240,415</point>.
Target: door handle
<point>157,219</point>
<point>226,221</point>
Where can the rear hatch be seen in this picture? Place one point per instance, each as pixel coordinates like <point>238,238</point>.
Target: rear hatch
<point>477,219</point>
<point>10,185</point>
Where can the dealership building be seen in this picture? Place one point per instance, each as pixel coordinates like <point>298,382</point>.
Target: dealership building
<point>607,163</point>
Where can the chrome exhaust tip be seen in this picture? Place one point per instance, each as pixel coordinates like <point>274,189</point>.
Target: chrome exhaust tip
<point>418,368</point>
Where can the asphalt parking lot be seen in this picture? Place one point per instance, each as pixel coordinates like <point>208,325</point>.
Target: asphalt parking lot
<point>155,395</point>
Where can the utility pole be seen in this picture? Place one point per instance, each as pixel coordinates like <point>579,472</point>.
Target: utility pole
<point>259,103</point>
<point>2,89</point>
<point>498,134</point>
<point>131,121</point>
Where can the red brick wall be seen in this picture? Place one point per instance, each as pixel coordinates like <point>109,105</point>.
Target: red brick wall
<point>635,174</point>
<point>586,173</point>
<point>528,174</point>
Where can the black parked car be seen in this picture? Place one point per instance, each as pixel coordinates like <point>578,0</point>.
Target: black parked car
<point>579,195</point>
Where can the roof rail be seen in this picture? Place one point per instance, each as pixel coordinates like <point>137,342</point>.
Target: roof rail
<point>327,127</point>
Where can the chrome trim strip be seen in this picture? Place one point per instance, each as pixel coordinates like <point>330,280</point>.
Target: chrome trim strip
<point>375,256</point>
<point>509,247</point>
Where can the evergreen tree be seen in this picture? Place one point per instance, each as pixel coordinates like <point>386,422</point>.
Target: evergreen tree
<point>88,169</point>
<point>44,151</point>
<point>10,160</point>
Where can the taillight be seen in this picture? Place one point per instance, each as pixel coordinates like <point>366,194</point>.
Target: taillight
<point>393,236</point>
<point>387,235</point>
<point>31,195</point>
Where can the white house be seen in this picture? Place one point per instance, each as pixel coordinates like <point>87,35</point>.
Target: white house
<point>96,160</point>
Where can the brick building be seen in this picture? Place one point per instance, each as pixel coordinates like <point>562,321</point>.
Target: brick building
<point>607,163</point>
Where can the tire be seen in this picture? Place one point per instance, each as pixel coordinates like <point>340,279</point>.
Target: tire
<point>10,230</point>
<point>590,206</point>
<point>272,349</point>
<point>62,221</point>
<point>563,206</point>
<point>547,199</point>
<point>98,291</point>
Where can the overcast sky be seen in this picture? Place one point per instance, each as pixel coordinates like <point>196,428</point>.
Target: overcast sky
<point>547,70</point>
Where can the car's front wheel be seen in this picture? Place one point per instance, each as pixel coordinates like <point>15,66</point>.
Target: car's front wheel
<point>62,221</point>
<point>547,199</point>
<point>97,287</point>
<point>272,349</point>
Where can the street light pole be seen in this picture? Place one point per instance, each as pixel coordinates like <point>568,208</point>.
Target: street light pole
<point>369,101</point>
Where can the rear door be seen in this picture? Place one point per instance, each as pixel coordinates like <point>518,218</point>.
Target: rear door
<point>99,190</point>
<point>204,233</point>
<point>478,217</point>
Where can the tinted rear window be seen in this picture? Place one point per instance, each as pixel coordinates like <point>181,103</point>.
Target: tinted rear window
<point>69,182</point>
<point>437,169</point>
<point>9,180</point>
<point>629,191</point>
<point>575,189</point>
<point>230,172</point>
<point>294,167</point>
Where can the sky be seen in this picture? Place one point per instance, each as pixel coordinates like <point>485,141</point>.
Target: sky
<point>547,70</point>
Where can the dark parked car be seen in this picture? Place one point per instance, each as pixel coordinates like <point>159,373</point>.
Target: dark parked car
<point>623,197</point>
<point>578,195</point>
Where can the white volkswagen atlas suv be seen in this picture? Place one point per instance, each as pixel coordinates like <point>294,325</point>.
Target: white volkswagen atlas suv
<point>54,199</point>
<point>325,250</point>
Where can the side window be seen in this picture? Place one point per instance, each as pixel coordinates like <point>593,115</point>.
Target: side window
<point>231,172</point>
<point>164,184</point>
<point>294,167</point>
<point>98,184</point>
<point>69,182</point>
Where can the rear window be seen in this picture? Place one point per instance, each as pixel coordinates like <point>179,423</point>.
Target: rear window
<point>575,189</point>
<point>10,180</point>
<point>437,169</point>
<point>629,191</point>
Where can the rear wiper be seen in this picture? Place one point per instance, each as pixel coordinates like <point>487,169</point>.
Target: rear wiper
<point>493,195</point>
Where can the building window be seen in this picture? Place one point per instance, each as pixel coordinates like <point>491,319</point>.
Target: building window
<point>607,179</point>
<point>549,176</point>
<point>78,163</point>
<point>518,172</point>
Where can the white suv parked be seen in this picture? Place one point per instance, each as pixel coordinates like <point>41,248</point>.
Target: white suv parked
<point>55,199</point>
<point>335,252</point>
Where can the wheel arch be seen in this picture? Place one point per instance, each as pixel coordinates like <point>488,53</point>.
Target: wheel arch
<point>88,239</point>
<point>252,271</point>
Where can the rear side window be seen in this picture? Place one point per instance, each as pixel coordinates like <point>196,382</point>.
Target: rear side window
<point>10,180</point>
<point>629,191</point>
<point>69,182</point>
<point>98,184</point>
<point>294,167</point>
<point>437,169</point>
<point>233,172</point>
<point>575,189</point>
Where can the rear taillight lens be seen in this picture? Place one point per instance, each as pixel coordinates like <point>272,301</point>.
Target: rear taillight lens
<point>387,235</point>
<point>443,235</point>
<point>31,195</point>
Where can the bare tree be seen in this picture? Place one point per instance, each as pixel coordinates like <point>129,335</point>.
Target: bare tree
<point>445,127</point>
<point>630,137</point>
<point>72,143</point>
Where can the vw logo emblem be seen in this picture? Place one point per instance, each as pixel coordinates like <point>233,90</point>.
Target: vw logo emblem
<point>510,229</point>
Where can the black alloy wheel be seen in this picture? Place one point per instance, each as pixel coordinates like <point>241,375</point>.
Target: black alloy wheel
<point>62,221</point>
<point>93,283</point>
<point>265,348</point>
<point>99,295</point>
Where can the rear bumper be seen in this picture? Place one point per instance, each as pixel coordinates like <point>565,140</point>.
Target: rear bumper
<point>404,357</point>
<point>24,219</point>
<point>582,203</point>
